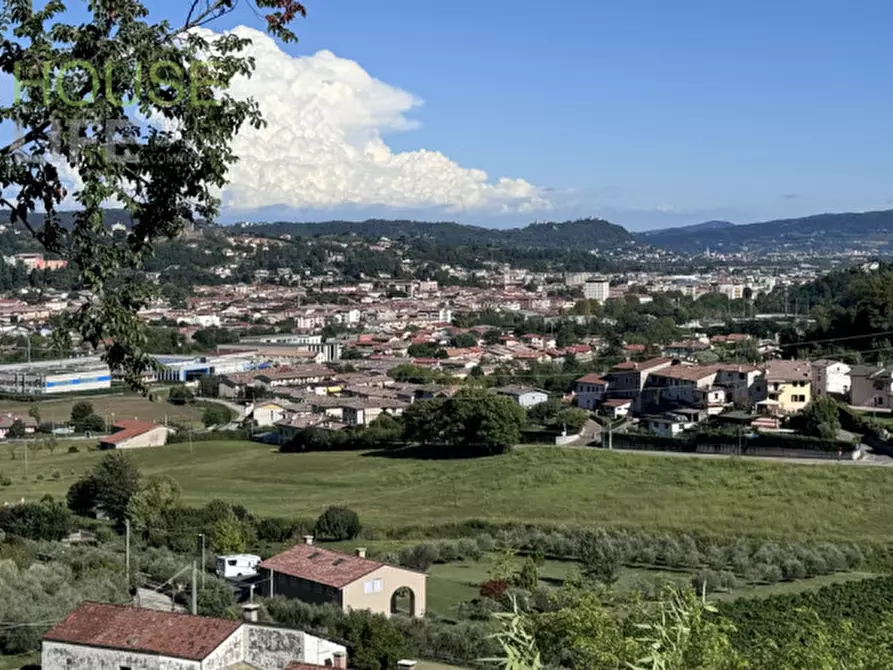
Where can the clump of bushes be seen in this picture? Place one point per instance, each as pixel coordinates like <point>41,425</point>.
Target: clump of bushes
<point>338,523</point>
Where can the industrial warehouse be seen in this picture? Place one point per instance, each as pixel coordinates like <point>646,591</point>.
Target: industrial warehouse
<point>72,375</point>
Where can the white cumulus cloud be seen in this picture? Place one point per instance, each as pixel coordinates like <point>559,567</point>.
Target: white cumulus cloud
<point>323,145</point>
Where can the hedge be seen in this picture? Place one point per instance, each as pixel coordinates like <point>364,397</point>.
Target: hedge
<point>689,444</point>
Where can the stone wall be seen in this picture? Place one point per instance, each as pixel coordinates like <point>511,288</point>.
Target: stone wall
<point>60,656</point>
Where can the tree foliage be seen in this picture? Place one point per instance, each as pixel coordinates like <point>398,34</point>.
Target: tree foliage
<point>16,430</point>
<point>474,421</point>
<point>44,520</point>
<point>108,487</point>
<point>147,507</point>
<point>163,174</point>
<point>821,418</point>
<point>215,415</point>
<point>338,523</point>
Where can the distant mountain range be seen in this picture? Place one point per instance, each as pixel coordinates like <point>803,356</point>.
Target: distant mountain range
<point>682,231</point>
<point>870,231</point>
<point>580,234</point>
<point>867,231</point>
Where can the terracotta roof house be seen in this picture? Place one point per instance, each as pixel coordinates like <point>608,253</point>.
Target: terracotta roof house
<point>133,434</point>
<point>101,636</point>
<point>6,421</point>
<point>316,575</point>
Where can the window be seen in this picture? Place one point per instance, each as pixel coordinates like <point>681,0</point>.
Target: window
<point>123,667</point>
<point>231,561</point>
<point>368,587</point>
<point>377,586</point>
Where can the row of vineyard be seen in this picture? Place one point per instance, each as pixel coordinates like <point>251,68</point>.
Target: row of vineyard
<point>865,603</point>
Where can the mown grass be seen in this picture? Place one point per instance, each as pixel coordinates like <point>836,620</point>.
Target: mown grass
<point>110,407</point>
<point>452,583</point>
<point>535,485</point>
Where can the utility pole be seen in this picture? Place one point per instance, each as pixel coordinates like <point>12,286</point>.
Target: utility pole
<point>610,434</point>
<point>127,550</point>
<point>201,538</point>
<point>194,589</point>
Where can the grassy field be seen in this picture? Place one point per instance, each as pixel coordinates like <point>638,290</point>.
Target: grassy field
<point>121,406</point>
<point>452,583</point>
<point>17,662</point>
<point>537,485</point>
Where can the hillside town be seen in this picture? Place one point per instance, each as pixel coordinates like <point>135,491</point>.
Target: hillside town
<point>415,336</point>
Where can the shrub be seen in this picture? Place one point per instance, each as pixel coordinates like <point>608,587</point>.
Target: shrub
<point>447,552</point>
<point>706,580</point>
<point>73,449</point>
<point>276,529</point>
<point>469,549</point>
<point>493,589</point>
<point>5,480</point>
<point>485,542</point>
<point>420,557</point>
<point>338,523</point>
<point>771,574</point>
<point>56,475</point>
<point>792,568</point>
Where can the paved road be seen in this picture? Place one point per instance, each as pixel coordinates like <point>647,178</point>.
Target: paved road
<point>869,459</point>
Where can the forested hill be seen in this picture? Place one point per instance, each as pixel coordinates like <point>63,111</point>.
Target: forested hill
<point>580,234</point>
<point>871,231</point>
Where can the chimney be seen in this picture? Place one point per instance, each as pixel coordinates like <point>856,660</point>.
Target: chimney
<point>308,539</point>
<point>249,612</point>
<point>339,659</point>
<point>361,552</point>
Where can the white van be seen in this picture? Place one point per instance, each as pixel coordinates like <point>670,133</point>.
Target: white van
<point>237,565</point>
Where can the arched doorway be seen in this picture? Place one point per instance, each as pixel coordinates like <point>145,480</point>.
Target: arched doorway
<point>403,602</point>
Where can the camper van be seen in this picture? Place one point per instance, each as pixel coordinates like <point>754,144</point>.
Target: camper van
<point>237,565</point>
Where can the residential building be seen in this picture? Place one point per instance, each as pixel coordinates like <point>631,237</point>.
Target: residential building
<point>525,396</point>
<point>872,386</point>
<point>830,377</point>
<point>686,349</point>
<point>572,279</point>
<point>627,380</point>
<point>363,411</point>
<point>789,384</point>
<point>117,637</point>
<point>597,289</point>
<point>316,575</point>
<point>134,434</point>
<point>56,376</point>
<point>745,384</point>
<point>680,383</point>
<point>6,421</point>
<point>667,425</point>
<point>617,407</point>
<point>270,412</point>
<point>590,390</point>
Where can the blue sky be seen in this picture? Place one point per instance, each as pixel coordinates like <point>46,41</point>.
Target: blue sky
<point>646,112</point>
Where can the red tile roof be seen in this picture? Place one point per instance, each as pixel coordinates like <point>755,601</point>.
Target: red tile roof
<point>129,428</point>
<point>315,564</point>
<point>591,378</point>
<point>141,630</point>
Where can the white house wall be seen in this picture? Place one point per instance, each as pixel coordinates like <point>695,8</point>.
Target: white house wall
<point>269,648</point>
<point>229,653</point>
<point>61,656</point>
